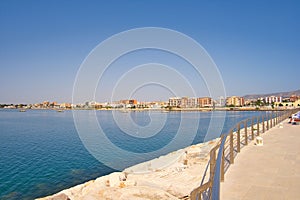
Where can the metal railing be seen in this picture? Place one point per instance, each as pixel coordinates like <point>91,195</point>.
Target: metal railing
<point>229,145</point>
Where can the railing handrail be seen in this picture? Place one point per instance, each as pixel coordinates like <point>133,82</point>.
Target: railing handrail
<point>217,171</point>
<point>217,176</point>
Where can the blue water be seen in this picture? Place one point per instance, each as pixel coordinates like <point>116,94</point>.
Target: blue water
<point>41,152</point>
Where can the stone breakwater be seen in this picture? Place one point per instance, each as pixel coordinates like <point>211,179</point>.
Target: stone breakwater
<point>172,176</point>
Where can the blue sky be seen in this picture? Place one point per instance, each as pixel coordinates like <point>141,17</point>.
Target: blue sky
<point>255,44</point>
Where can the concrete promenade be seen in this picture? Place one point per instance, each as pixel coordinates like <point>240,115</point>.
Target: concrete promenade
<point>271,171</point>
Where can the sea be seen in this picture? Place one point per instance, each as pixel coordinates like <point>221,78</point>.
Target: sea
<point>44,151</point>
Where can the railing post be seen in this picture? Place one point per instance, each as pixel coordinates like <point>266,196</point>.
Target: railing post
<point>223,165</point>
<point>271,122</point>
<point>238,138</point>
<point>246,134</point>
<point>231,148</point>
<point>212,164</point>
<point>267,121</point>
<point>194,194</point>
<point>257,126</point>
<point>263,123</point>
<point>252,129</point>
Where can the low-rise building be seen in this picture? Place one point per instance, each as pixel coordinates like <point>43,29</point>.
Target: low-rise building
<point>235,101</point>
<point>190,102</point>
<point>66,105</point>
<point>175,101</point>
<point>295,104</point>
<point>294,98</point>
<point>184,102</point>
<point>128,101</point>
<point>272,99</point>
<point>204,102</point>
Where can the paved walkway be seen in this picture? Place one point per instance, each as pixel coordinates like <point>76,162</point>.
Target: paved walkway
<point>271,171</point>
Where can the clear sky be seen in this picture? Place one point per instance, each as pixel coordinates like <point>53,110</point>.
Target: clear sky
<point>255,44</point>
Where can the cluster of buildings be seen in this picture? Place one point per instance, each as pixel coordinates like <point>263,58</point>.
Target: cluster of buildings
<point>292,101</point>
<point>275,101</point>
<point>43,105</point>
<point>128,103</point>
<point>234,101</point>
<point>173,102</point>
<point>205,102</point>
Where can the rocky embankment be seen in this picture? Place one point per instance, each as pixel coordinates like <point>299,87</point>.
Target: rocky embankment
<point>172,176</point>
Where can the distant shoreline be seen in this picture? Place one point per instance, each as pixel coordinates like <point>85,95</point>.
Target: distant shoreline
<point>162,109</point>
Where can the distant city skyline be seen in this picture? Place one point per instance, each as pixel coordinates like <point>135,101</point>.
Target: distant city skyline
<point>267,98</point>
<point>254,44</point>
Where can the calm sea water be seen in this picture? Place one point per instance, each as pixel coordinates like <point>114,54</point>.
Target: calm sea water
<point>41,152</point>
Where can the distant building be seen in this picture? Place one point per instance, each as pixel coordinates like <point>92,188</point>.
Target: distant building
<point>175,101</point>
<point>91,104</point>
<point>132,101</point>
<point>163,103</point>
<point>98,105</point>
<point>235,101</point>
<point>46,104</point>
<point>294,98</point>
<point>250,102</point>
<point>66,105</point>
<point>272,99</point>
<point>184,102</point>
<point>295,104</point>
<point>220,101</point>
<point>128,101</point>
<point>205,102</point>
<point>192,102</point>
<point>53,104</point>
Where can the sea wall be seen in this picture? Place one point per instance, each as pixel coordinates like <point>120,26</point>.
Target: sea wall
<point>172,176</point>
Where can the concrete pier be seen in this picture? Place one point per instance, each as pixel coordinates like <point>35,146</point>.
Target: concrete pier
<point>271,171</point>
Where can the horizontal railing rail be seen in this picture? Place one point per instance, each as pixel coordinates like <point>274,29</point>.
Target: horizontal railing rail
<point>222,155</point>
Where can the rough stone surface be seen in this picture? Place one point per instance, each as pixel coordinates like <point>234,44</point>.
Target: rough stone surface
<point>60,196</point>
<point>172,176</point>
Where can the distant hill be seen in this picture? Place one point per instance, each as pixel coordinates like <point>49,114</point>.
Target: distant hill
<point>283,94</point>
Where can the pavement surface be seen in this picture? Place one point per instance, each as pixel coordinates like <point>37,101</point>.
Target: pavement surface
<point>271,171</point>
